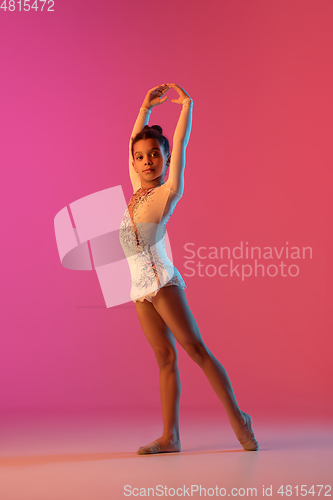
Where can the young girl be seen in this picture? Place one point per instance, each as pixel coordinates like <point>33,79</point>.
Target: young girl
<point>157,286</point>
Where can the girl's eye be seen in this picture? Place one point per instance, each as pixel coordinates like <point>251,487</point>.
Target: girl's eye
<point>154,153</point>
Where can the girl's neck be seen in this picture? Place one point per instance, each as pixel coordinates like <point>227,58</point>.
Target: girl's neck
<point>157,183</point>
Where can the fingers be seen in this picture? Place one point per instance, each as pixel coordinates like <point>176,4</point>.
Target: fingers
<point>165,86</point>
<point>177,88</point>
<point>161,100</point>
<point>158,91</point>
<point>164,89</point>
<point>160,88</point>
<point>174,85</point>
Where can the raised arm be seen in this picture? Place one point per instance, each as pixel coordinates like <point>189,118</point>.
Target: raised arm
<point>180,140</point>
<point>153,98</point>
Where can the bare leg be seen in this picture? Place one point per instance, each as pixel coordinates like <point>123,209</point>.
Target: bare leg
<point>163,343</point>
<point>172,306</point>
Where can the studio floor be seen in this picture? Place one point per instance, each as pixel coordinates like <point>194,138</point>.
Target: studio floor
<point>92,456</point>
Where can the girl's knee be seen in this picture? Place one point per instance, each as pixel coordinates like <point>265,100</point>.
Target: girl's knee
<point>166,357</point>
<point>197,351</point>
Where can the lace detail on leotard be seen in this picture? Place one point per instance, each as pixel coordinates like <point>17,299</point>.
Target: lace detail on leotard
<point>176,280</point>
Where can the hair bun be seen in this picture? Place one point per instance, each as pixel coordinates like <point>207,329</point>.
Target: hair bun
<point>158,128</point>
<point>153,127</point>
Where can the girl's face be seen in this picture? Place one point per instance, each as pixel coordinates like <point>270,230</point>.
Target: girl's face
<point>150,159</point>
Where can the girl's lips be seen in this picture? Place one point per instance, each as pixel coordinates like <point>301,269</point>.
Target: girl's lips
<point>149,170</point>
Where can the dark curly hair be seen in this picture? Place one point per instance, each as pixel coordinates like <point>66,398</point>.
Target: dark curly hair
<point>154,132</point>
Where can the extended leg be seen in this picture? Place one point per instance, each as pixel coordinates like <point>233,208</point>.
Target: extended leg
<point>172,306</point>
<point>163,343</point>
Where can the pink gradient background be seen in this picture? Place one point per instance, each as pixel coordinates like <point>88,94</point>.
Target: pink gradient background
<point>259,169</point>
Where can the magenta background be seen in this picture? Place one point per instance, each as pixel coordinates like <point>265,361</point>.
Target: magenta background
<point>259,169</point>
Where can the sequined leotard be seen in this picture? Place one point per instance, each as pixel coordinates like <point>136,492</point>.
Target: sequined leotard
<point>142,236</point>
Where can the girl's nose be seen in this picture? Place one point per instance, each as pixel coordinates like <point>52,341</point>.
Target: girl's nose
<point>148,161</point>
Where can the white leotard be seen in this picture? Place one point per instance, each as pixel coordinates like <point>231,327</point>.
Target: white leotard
<point>142,236</point>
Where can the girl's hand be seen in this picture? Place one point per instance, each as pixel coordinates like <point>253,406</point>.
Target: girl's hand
<point>181,92</point>
<point>154,96</point>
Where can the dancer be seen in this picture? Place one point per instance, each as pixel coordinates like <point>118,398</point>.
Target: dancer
<point>157,286</point>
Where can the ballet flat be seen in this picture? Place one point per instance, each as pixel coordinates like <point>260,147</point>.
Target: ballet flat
<point>155,447</point>
<point>252,444</point>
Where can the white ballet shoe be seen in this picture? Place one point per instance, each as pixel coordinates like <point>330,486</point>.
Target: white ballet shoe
<point>252,444</point>
<point>155,447</point>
